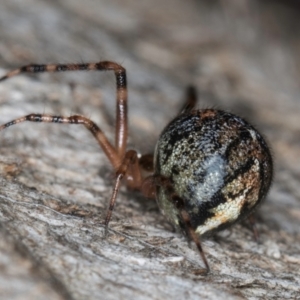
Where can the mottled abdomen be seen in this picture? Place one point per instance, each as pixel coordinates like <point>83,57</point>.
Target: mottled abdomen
<point>217,163</point>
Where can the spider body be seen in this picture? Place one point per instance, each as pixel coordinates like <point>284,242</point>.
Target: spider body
<point>209,170</point>
<point>217,163</point>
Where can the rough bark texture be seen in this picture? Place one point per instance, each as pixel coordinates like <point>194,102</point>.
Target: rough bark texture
<point>243,56</point>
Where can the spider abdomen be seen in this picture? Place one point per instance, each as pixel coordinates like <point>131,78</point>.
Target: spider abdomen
<point>217,163</point>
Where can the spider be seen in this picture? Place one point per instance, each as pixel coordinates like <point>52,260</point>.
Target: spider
<point>210,168</point>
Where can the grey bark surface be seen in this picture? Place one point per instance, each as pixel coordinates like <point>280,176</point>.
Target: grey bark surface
<point>55,182</point>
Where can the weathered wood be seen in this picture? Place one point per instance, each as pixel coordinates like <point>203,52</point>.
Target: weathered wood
<point>55,182</point>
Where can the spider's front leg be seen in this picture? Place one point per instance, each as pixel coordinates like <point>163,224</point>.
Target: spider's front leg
<point>108,149</point>
<point>129,169</point>
<point>121,85</point>
<point>124,163</point>
<point>150,185</point>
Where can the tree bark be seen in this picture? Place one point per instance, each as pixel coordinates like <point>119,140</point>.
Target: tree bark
<point>56,183</point>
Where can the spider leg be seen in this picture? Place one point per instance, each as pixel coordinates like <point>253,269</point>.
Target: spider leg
<point>191,233</point>
<point>120,74</point>
<point>108,149</point>
<point>129,169</point>
<point>190,101</point>
<point>183,214</point>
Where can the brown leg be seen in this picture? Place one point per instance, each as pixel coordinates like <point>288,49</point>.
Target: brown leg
<point>194,236</point>
<point>120,73</point>
<point>146,167</point>
<point>108,149</point>
<point>183,214</point>
<point>190,100</point>
<point>134,176</point>
<point>129,163</point>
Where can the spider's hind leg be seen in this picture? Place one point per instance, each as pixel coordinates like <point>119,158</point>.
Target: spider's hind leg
<point>183,215</point>
<point>190,100</point>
